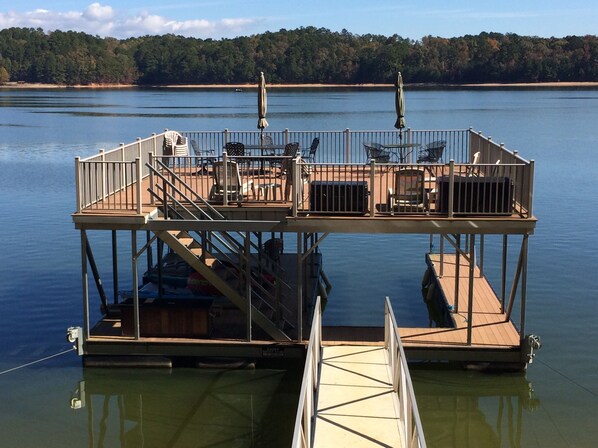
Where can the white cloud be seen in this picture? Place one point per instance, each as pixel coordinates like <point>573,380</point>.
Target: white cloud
<point>104,20</point>
<point>97,12</point>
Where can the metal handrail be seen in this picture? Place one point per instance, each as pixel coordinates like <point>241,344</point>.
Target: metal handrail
<point>306,409</point>
<point>413,434</point>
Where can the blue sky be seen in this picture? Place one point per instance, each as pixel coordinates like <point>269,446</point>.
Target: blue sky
<point>229,18</point>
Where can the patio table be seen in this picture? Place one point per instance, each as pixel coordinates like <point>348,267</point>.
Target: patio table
<point>397,149</point>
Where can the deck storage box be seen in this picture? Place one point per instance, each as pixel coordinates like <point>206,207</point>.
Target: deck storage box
<point>343,197</point>
<point>184,318</point>
<point>476,195</point>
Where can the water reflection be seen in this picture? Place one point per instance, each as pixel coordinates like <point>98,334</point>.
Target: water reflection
<point>472,409</point>
<point>187,407</point>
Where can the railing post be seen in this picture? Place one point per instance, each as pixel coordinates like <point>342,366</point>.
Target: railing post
<point>225,136</point>
<point>295,187</point>
<point>286,136</point>
<point>151,176</point>
<point>138,170</point>
<point>530,194</point>
<point>78,182</point>
<point>348,145</point>
<point>372,188</point>
<point>103,165</point>
<point>451,191</point>
<point>225,180</point>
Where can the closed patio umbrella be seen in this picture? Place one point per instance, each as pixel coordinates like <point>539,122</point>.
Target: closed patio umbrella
<point>262,103</point>
<point>399,105</point>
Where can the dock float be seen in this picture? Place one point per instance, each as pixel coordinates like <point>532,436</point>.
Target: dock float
<point>357,395</point>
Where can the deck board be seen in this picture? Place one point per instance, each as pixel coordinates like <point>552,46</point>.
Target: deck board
<point>489,325</point>
<point>357,406</point>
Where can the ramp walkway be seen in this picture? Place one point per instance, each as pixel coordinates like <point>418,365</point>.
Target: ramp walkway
<point>357,395</point>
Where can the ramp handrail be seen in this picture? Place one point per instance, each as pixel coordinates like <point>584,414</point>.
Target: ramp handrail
<point>304,420</point>
<point>413,435</point>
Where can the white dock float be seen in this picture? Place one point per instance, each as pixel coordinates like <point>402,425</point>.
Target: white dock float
<point>357,395</point>
<point>357,406</point>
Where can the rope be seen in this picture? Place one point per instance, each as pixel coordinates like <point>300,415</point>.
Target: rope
<point>581,386</point>
<point>37,361</point>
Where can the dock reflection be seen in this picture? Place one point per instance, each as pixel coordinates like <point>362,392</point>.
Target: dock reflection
<point>472,409</point>
<point>188,407</point>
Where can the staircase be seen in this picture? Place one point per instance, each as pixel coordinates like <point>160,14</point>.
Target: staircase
<point>203,250</point>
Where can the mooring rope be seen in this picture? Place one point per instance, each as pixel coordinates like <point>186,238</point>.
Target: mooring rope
<point>37,361</point>
<point>581,386</point>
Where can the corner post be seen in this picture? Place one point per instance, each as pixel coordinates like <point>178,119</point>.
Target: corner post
<point>78,183</point>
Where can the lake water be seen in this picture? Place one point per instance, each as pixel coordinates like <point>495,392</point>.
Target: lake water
<point>555,403</point>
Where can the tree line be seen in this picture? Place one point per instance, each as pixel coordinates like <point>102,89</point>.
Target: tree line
<point>303,55</point>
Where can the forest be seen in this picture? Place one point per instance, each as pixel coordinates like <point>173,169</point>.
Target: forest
<point>304,55</point>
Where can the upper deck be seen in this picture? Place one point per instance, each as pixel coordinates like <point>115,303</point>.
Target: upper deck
<point>477,186</point>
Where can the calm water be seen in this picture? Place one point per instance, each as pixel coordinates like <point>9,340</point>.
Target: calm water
<point>554,404</point>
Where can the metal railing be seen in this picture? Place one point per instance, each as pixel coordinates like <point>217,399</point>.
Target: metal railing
<point>455,186</point>
<point>306,409</point>
<point>412,430</point>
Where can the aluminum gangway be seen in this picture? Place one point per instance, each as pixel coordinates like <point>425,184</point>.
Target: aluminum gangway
<point>357,395</point>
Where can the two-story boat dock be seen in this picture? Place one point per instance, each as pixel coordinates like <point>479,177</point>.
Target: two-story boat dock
<point>224,260</point>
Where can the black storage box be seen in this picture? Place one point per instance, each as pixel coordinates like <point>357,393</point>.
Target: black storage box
<point>338,197</point>
<point>476,195</point>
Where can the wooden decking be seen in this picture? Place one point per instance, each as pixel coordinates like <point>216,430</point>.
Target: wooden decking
<point>490,328</point>
<point>357,406</point>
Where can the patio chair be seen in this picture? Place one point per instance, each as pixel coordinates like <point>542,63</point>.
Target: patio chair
<point>376,152</point>
<point>310,155</point>
<point>473,169</point>
<point>204,156</point>
<point>236,149</point>
<point>290,150</point>
<point>409,194</point>
<point>265,141</point>
<point>236,191</point>
<point>432,153</point>
<point>170,140</point>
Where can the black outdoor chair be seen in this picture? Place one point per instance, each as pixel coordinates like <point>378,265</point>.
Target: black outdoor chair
<point>375,152</point>
<point>432,153</point>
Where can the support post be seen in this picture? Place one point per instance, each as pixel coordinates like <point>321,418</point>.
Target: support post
<point>248,283</point>
<point>523,286</point>
<point>114,267</point>
<point>482,241</point>
<point>457,270</point>
<point>516,280</point>
<point>84,283</point>
<point>135,286</point>
<point>299,289</point>
<point>470,292</point>
<point>441,255</point>
<point>503,284</point>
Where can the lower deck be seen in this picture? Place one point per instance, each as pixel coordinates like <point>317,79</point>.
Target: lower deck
<point>492,335</point>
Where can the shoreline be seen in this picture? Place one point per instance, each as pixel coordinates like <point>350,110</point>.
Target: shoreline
<point>15,85</point>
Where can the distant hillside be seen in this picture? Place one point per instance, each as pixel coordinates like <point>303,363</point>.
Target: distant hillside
<point>304,55</point>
